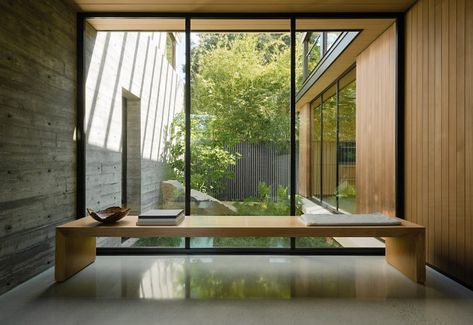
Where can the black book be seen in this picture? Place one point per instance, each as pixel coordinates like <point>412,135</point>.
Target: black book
<point>161,214</point>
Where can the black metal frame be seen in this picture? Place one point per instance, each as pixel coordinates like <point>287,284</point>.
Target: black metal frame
<point>337,141</point>
<point>187,160</point>
<point>293,125</point>
<point>324,48</point>
<point>399,122</point>
<point>377,251</point>
<point>335,51</point>
<point>81,145</point>
<point>124,151</point>
<point>80,108</point>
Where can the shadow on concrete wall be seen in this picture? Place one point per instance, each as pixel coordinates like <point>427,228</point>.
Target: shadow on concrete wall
<point>120,65</point>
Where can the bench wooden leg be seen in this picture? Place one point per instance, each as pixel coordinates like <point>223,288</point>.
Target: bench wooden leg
<point>72,254</point>
<point>407,254</point>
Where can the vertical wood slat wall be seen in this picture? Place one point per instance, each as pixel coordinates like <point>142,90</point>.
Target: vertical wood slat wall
<point>375,129</point>
<point>304,168</point>
<point>439,131</point>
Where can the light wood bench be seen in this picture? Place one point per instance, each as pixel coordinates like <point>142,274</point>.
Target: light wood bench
<point>76,240</point>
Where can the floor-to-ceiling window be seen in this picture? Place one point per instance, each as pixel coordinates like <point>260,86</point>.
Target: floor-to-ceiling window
<point>333,150</point>
<point>346,150</point>
<point>240,126</point>
<point>329,146</point>
<point>134,108</point>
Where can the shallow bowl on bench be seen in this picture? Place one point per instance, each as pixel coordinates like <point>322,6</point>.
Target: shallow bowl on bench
<point>109,215</point>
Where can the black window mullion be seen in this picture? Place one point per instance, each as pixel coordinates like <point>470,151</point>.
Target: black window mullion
<point>293,125</point>
<point>80,123</point>
<point>337,175</point>
<point>321,147</point>
<point>187,166</point>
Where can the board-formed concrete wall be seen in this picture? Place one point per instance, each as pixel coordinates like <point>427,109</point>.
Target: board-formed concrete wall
<point>37,120</point>
<point>134,66</point>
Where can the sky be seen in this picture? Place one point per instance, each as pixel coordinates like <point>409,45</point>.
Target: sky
<point>181,52</point>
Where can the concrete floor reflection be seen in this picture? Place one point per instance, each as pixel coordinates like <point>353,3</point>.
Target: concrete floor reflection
<point>250,290</point>
<point>240,277</point>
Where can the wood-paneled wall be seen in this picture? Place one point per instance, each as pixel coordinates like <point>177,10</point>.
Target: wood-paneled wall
<point>439,131</point>
<point>375,125</point>
<point>37,121</point>
<point>304,168</point>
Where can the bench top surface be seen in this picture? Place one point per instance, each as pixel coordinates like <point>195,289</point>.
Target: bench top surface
<point>232,226</point>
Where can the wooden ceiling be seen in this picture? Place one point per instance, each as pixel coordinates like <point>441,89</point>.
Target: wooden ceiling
<point>200,25</point>
<point>243,6</point>
<point>197,25</point>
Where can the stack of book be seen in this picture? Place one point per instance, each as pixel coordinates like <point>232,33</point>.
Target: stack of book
<point>161,217</point>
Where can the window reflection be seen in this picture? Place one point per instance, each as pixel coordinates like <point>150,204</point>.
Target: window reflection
<point>347,148</point>
<point>333,147</point>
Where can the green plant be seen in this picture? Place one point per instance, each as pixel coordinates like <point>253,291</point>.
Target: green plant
<point>210,161</point>
<point>345,189</point>
<point>264,191</point>
<point>263,204</point>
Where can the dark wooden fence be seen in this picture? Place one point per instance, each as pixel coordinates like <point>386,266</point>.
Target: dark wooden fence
<point>258,163</point>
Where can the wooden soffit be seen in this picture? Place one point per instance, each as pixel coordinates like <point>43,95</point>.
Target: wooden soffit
<point>243,6</point>
<point>197,25</point>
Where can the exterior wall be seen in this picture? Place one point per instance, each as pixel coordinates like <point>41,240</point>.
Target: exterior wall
<point>131,65</point>
<point>438,131</point>
<point>375,125</point>
<point>304,170</point>
<point>37,120</point>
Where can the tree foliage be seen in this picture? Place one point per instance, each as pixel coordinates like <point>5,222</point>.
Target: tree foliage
<point>346,114</point>
<point>240,93</point>
<point>241,82</point>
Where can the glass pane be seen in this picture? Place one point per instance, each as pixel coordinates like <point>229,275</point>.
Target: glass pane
<point>329,147</point>
<point>300,61</point>
<point>347,148</point>
<point>134,107</point>
<point>332,38</point>
<point>314,51</point>
<point>240,129</point>
<point>316,242</point>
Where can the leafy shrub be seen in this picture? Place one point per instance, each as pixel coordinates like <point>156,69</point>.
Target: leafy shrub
<point>346,189</point>
<point>265,205</point>
<point>210,161</point>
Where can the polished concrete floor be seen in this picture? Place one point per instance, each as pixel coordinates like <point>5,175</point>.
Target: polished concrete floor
<point>273,290</point>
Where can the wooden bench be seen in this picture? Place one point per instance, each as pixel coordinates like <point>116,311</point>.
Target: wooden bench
<point>76,240</point>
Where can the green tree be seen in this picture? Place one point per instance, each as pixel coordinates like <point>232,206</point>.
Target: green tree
<point>240,93</point>
<point>241,82</point>
<point>209,163</point>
